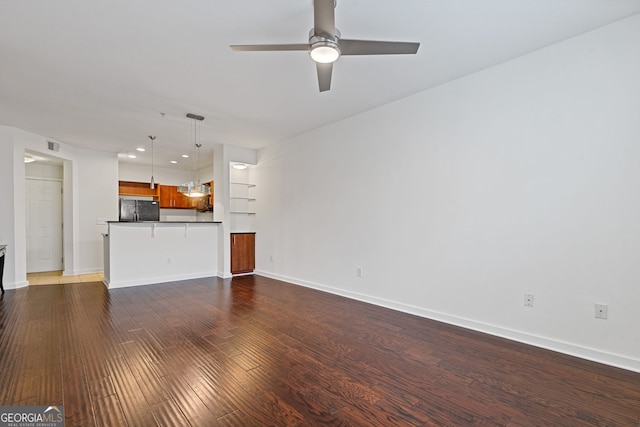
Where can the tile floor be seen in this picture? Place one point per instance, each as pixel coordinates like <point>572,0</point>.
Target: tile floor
<point>56,278</point>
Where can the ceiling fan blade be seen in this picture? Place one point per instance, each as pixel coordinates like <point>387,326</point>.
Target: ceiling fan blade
<point>268,47</point>
<point>371,47</point>
<point>324,22</point>
<point>324,76</point>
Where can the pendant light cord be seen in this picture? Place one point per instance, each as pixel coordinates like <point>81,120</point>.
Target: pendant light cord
<point>153,183</point>
<point>197,154</point>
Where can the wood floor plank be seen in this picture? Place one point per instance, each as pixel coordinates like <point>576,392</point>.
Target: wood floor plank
<point>188,401</point>
<point>168,414</point>
<point>108,412</point>
<point>214,392</point>
<point>134,406</point>
<point>257,351</point>
<point>153,387</point>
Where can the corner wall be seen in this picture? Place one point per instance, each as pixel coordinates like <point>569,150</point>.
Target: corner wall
<point>97,201</point>
<point>455,202</point>
<point>7,195</point>
<point>222,155</point>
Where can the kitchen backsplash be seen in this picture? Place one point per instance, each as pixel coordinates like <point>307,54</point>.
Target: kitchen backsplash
<point>184,215</point>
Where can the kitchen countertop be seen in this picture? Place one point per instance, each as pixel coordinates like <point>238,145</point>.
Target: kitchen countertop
<point>164,222</point>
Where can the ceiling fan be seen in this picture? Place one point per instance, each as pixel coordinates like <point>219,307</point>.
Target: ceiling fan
<point>325,45</point>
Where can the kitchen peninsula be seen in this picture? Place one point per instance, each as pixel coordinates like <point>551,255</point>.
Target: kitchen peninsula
<point>142,253</point>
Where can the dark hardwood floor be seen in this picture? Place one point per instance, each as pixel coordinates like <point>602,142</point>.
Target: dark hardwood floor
<point>258,352</point>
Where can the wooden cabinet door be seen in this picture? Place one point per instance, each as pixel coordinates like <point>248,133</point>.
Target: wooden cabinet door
<point>243,252</point>
<point>171,198</point>
<point>181,201</point>
<point>184,201</point>
<point>167,196</point>
<point>131,188</point>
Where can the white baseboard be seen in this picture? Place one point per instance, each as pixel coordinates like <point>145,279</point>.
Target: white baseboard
<point>95,270</point>
<point>16,285</point>
<point>141,282</point>
<point>514,335</point>
<point>223,275</point>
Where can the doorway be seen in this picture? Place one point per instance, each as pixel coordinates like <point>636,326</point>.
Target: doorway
<point>44,225</point>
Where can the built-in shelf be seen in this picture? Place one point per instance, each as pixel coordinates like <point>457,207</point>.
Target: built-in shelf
<point>242,206</point>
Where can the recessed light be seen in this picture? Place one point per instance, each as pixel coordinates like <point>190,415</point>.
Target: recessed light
<point>173,161</point>
<point>239,166</point>
<point>140,149</point>
<point>186,156</point>
<point>29,159</point>
<point>131,156</point>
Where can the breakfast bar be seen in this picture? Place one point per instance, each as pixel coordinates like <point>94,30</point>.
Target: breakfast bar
<point>143,253</point>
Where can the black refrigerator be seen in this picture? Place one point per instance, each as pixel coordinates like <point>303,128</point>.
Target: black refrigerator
<point>139,210</point>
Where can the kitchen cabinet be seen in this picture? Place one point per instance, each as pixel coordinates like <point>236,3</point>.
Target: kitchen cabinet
<point>187,202</point>
<point>171,198</point>
<point>167,196</point>
<point>131,188</point>
<point>243,252</point>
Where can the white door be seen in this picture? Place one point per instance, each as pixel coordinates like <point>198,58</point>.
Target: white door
<point>44,225</point>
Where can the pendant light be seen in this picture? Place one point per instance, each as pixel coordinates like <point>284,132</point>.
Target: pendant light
<point>195,188</point>
<point>152,185</point>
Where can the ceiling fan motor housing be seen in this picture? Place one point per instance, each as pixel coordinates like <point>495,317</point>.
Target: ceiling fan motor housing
<point>324,49</point>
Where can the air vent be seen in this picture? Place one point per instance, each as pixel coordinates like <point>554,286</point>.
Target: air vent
<point>53,146</point>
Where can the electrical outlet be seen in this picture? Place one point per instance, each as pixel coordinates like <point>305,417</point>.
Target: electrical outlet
<point>271,258</point>
<point>601,311</point>
<point>358,271</point>
<point>169,260</point>
<point>528,300</point>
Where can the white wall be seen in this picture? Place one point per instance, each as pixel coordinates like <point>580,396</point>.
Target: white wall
<point>161,175</point>
<point>98,201</point>
<point>166,176</point>
<point>7,214</point>
<point>90,193</point>
<point>44,170</point>
<point>456,201</point>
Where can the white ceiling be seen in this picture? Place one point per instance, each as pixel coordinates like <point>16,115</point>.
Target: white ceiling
<point>98,74</point>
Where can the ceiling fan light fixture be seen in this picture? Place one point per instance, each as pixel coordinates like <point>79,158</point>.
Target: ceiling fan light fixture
<point>324,51</point>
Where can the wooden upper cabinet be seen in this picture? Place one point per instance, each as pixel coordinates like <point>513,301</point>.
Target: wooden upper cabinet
<point>171,198</point>
<point>185,202</point>
<point>131,188</point>
<point>168,196</point>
